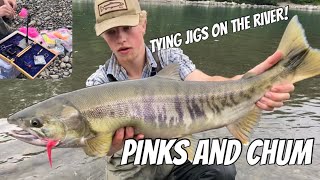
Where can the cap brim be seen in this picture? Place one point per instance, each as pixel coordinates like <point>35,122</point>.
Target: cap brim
<point>127,20</point>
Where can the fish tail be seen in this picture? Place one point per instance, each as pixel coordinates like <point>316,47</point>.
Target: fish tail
<point>300,61</point>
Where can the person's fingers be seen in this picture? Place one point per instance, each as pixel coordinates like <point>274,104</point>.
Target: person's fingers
<point>139,137</point>
<point>283,88</point>
<point>129,133</point>
<point>263,106</point>
<point>117,141</point>
<point>6,2</point>
<point>14,5</point>
<point>270,102</point>
<point>9,7</point>
<point>7,11</point>
<point>269,62</point>
<point>12,11</point>
<point>277,96</point>
<point>118,137</point>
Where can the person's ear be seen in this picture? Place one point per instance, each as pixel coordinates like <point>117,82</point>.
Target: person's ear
<point>144,26</point>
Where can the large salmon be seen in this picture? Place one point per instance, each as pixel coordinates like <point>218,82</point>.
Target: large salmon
<point>163,106</point>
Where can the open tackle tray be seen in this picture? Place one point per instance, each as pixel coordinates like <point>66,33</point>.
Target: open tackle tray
<point>29,58</point>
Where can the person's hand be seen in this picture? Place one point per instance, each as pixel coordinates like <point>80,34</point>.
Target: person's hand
<point>7,11</point>
<point>278,93</point>
<point>12,3</point>
<point>120,136</point>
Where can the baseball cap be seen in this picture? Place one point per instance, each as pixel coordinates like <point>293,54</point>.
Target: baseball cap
<point>113,13</point>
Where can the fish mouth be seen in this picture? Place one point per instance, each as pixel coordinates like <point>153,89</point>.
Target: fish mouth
<point>29,136</point>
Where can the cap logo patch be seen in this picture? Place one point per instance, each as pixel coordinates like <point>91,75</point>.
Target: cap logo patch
<point>111,6</point>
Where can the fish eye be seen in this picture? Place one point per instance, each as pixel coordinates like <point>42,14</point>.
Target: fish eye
<point>35,123</point>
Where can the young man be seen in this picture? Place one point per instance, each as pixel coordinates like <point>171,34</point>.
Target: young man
<point>122,25</point>
<point>7,10</point>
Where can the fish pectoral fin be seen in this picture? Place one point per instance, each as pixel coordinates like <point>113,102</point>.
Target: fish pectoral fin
<point>98,145</point>
<point>170,72</point>
<point>242,129</point>
<point>193,146</point>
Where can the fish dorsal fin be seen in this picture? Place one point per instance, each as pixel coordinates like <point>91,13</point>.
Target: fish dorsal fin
<point>243,128</point>
<point>172,71</point>
<point>98,145</point>
<point>248,75</point>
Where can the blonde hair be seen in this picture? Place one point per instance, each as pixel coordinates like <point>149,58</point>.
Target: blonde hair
<point>142,17</point>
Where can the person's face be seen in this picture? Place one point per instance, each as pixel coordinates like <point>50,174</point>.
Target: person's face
<point>126,42</point>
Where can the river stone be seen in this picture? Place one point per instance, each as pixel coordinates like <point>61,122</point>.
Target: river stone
<point>65,59</point>
<point>43,73</point>
<point>54,76</point>
<point>69,65</point>
<point>32,23</point>
<point>63,65</point>
<point>47,18</point>
<point>47,71</point>
<point>66,73</point>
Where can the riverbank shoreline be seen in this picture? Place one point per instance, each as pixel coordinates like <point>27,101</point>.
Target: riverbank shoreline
<point>292,6</point>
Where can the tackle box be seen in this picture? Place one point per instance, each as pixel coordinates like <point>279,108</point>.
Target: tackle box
<point>30,58</point>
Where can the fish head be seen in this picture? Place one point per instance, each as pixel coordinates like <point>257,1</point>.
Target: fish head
<point>54,119</point>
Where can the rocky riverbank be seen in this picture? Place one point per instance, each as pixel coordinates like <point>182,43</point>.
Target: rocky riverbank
<point>50,15</point>
<point>306,7</point>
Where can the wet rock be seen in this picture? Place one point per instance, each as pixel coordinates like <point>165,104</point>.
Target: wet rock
<point>32,23</point>
<point>69,65</point>
<point>63,65</point>
<point>66,73</point>
<point>47,18</point>
<point>43,73</point>
<point>54,76</point>
<point>66,59</point>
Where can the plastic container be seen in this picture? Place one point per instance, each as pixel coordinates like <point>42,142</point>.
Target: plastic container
<point>7,71</point>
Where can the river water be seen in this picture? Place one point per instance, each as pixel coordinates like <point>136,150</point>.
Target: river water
<point>227,55</point>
